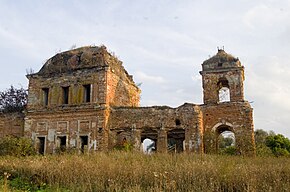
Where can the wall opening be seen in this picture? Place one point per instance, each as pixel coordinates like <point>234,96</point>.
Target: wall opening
<point>45,92</point>
<point>223,90</point>
<point>177,122</point>
<point>149,146</point>
<point>40,145</point>
<point>149,140</point>
<point>87,93</point>
<point>225,141</point>
<point>61,142</point>
<point>84,141</point>
<point>175,140</point>
<point>65,95</point>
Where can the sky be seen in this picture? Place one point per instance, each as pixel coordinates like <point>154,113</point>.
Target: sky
<point>161,43</point>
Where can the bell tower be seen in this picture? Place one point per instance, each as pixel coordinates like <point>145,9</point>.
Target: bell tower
<point>222,79</point>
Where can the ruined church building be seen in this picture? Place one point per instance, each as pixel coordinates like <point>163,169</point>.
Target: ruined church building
<point>85,99</point>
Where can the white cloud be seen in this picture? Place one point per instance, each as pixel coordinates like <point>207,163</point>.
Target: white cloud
<point>267,16</point>
<point>143,77</point>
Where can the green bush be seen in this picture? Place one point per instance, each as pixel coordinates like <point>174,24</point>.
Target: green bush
<point>231,150</point>
<point>279,144</point>
<point>16,146</point>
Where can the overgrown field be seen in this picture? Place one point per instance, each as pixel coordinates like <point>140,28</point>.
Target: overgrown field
<point>126,171</point>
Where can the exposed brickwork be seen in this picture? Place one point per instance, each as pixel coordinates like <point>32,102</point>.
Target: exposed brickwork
<point>70,97</point>
<point>11,124</point>
<point>156,123</point>
<point>85,99</point>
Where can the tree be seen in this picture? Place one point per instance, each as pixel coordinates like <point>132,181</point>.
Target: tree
<point>279,145</point>
<point>260,136</point>
<point>13,100</point>
<point>260,139</point>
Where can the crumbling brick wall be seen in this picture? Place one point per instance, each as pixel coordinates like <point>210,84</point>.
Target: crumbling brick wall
<point>69,99</point>
<point>135,123</point>
<point>11,124</point>
<point>236,117</point>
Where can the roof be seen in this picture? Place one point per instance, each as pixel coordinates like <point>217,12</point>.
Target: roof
<point>221,60</point>
<point>87,57</point>
<point>83,57</point>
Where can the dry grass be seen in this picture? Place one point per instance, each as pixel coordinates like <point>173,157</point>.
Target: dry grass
<point>121,171</point>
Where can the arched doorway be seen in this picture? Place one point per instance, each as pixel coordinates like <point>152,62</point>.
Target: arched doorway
<point>175,140</point>
<point>225,140</point>
<point>149,140</point>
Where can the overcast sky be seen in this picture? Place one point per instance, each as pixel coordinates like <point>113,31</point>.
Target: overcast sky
<point>161,43</point>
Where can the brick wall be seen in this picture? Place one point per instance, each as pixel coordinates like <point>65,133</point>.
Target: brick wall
<point>11,124</point>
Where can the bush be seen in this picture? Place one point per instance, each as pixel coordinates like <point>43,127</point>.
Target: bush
<point>16,146</point>
<point>279,144</point>
<point>231,150</point>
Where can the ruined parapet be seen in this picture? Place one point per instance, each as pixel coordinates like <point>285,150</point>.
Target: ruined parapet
<point>178,129</point>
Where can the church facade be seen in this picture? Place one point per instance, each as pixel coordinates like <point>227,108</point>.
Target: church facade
<point>85,99</point>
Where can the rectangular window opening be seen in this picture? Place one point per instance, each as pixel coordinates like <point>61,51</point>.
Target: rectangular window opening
<point>65,91</point>
<point>87,93</point>
<point>61,142</point>
<point>45,96</point>
<point>40,145</point>
<point>84,143</point>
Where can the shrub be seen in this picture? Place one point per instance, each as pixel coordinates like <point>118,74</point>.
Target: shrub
<point>231,150</point>
<point>279,144</point>
<point>16,146</point>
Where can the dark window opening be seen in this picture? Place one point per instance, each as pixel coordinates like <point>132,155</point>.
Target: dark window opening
<point>61,142</point>
<point>65,91</point>
<point>40,145</point>
<point>87,93</point>
<point>84,143</point>
<point>45,96</point>
<point>177,122</point>
<point>175,140</point>
<point>220,64</point>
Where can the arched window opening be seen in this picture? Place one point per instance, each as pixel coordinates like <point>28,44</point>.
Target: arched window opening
<point>175,140</point>
<point>223,90</point>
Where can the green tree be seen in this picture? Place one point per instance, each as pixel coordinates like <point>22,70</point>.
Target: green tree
<point>260,136</point>
<point>13,100</point>
<point>279,144</point>
<point>260,139</point>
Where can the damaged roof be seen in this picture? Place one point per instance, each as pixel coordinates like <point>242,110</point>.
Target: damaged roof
<point>83,57</point>
<point>221,60</point>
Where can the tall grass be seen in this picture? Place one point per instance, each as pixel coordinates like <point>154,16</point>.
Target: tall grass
<point>125,171</point>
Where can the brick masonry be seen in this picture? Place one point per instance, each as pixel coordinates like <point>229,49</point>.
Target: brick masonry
<point>85,99</point>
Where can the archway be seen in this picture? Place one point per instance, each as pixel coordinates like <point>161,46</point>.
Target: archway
<point>225,140</point>
<point>175,140</point>
<point>149,140</point>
